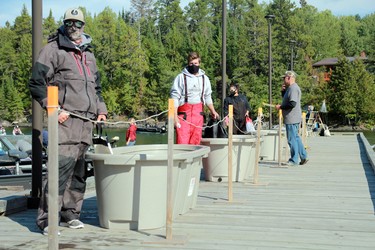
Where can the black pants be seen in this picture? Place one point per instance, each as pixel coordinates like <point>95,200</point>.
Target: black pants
<point>72,184</point>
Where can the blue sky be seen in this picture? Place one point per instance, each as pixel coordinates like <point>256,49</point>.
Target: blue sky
<point>10,9</point>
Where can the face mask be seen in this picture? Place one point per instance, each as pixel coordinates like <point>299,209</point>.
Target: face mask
<point>232,92</point>
<point>73,32</point>
<point>193,69</point>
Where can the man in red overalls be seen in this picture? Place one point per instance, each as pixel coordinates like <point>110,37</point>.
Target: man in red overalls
<point>191,90</point>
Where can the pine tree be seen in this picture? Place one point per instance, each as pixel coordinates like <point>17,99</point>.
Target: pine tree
<point>348,84</point>
<point>13,102</point>
<point>49,26</point>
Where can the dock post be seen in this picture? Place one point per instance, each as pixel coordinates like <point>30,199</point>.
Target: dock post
<point>170,169</point>
<point>230,146</point>
<point>169,238</point>
<point>280,137</point>
<point>304,129</point>
<point>257,146</point>
<point>53,167</point>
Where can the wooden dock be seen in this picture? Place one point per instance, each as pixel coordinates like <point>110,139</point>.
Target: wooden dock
<point>328,203</point>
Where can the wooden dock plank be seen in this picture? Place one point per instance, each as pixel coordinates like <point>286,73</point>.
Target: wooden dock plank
<point>326,204</point>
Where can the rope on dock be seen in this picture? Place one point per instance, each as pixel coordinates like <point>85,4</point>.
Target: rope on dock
<point>114,123</point>
<point>141,120</point>
<point>255,122</point>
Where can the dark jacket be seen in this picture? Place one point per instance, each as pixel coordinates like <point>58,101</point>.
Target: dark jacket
<point>73,69</point>
<point>240,106</point>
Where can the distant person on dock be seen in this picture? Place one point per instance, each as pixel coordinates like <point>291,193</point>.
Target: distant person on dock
<point>67,61</point>
<point>241,109</point>
<point>17,130</point>
<point>131,133</point>
<point>2,131</point>
<point>45,138</point>
<point>291,110</point>
<point>310,109</point>
<point>191,90</point>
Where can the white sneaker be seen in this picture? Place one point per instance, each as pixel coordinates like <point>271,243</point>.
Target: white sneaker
<point>45,231</point>
<point>75,224</point>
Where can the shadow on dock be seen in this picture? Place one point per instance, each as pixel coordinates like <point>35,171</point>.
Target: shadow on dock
<point>369,171</point>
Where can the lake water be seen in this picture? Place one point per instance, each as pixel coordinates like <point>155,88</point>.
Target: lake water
<point>157,138</point>
<point>142,137</point>
<point>370,136</point>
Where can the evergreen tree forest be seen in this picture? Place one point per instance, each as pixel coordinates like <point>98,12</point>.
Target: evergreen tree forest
<point>140,52</point>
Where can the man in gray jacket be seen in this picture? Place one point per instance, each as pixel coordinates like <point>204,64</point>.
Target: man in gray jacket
<point>67,62</point>
<point>292,114</point>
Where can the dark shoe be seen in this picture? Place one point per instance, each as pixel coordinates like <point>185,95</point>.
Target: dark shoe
<point>303,161</point>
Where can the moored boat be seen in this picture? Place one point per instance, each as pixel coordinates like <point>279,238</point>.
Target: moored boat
<point>15,154</point>
<point>152,129</point>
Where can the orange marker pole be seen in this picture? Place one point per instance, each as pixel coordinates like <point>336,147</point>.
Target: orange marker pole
<point>53,167</point>
<point>304,129</point>
<point>230,146</point>
<point>280,138</point>
<point>257,146</point>
<point>170,169</point>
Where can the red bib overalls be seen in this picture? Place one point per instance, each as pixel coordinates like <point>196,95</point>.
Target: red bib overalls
<point>191,120</point>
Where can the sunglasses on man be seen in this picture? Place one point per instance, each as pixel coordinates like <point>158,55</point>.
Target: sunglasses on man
<point>77,24</point>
